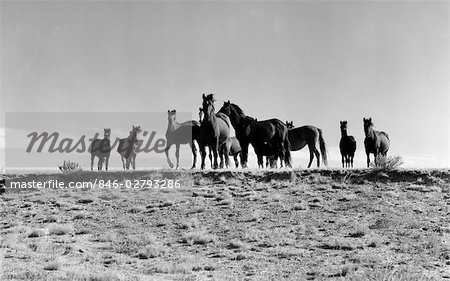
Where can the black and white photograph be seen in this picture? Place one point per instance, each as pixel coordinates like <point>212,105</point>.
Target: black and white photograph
<point>224,140</point>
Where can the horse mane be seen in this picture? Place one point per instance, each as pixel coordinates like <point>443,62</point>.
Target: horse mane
<point>210,97</point>
<point>237,108</point>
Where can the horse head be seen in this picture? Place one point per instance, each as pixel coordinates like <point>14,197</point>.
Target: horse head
<point>135,132</point>
<point>107,133</point>
<point>226,108</point>
<point>171,115</point>
<point>367,125</point>
<point>208,105</point>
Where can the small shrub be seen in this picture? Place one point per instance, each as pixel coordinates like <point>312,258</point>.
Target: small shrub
<point>151,251</point>
<point>69,166</point>
<point>387,164</point>
<point>36,233</point>
<point>198,237</point>
<point>60,229</point>
<point>52,266</point>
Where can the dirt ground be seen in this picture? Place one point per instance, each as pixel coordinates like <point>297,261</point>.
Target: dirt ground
<point>229,225</point>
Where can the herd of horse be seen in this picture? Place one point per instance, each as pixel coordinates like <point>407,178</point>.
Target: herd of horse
<point>270,138</point>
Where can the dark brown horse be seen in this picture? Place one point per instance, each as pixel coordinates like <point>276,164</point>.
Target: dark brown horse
<point>376,142</point>
<point>101,148</point>
<point>181,133</point>
<point>214,133</point>
<point>127,148</point>
<point>308,135</point>
<point>347,146</point>
<point>258,133</point>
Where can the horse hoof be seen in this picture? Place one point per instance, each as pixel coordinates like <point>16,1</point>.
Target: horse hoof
<point>171,165</point>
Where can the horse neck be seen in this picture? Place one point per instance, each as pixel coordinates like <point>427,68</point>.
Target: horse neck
<point>210,116</point>
<point>237,119</point>
<point>133,136</point>
<point>344,133</point>
<point>370,132</point>
<point>172,124</point>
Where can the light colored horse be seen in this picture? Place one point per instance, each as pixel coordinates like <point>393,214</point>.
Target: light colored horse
<point>376,142</point>
<point>127,148</point>
<point>101,148</point>
<point>235,147</point>
<point>181,133</point>
<point>215,133</point>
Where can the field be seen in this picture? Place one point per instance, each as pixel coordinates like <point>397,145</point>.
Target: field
<point>230,225</point>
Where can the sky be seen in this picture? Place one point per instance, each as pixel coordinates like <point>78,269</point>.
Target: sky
<point>312,62</point>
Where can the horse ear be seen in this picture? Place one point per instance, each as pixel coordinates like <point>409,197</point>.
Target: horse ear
<point>229,102</point>
<point>204,97</point>
<point>168,111</point>
<point>370,119</point>
<point>174,111</point>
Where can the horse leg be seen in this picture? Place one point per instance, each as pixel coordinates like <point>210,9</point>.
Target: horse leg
<point>244,155</point>
<point>227,154</point>
<point>92,161</point>
<point>221,155</point>
<point>311,156</point>
<point>343,160</point>
<point>317,153</point>
<point>210,157</point>
<point>368,159</point>
<point>202,148</point>
<point>177,154</point>
<point>106,163</point>
<point>100,163</point>
<point>127,163</point>
<point>236,162</point>
<point>134,161</point>
<point>166,150</point>
<point>123,161</point>
<point>214,146</point>
<point>194,152</point>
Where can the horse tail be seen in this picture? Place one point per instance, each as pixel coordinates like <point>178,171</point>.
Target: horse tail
<point>323,148</point>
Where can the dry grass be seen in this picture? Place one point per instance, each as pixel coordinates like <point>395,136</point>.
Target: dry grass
<point>60,229</point>
<point>311,225</point>
<point>198,237</point>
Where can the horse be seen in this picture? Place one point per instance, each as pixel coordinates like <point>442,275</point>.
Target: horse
<point>235,147</point>
<point>376,142</point>
<point>249,131</point>
<point>101,148</point>
<point>215,133</point>
<point>307,135</point>
<point>181,133</point>
<point>127,148</point>
<point>347,146</point>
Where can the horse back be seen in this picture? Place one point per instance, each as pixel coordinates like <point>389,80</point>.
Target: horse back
<point>383,142</point>
<point>185,133</point>
<point>265,130</point>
